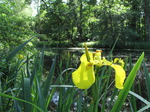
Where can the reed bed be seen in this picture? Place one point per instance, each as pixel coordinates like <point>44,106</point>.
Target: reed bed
<point>25,88</point>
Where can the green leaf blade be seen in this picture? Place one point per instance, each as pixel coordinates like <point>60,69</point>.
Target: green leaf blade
<point>27,94</point>
<point>49,78</point>
<point>147,79</point>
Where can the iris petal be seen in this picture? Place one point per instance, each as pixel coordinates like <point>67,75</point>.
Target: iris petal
<point>84,76</point>
<point>119,76</point>
<point>84,58</point>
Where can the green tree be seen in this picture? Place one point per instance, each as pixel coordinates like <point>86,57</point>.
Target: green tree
<point>15,24</point>
<point>147,16</point>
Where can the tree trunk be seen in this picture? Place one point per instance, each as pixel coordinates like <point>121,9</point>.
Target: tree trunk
<point>148,27</point>
<point>147,17</point>
<point>80,22</point>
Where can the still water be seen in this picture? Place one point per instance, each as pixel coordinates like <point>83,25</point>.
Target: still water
<point>70,57</point>
<point>63,52</point>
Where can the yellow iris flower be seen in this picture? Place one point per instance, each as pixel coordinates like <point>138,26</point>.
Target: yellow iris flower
<point>84,76</point>
<point>21,56</point>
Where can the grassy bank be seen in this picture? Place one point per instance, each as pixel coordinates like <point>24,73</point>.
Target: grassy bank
<point>119,45</point>
<point>96,44</point>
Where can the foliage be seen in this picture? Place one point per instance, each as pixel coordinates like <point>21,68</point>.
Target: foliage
<point>15,25</point>
<point>25,83</point>
<point>75,21</point>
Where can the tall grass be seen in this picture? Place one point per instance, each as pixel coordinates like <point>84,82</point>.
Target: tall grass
<point>25,87</point>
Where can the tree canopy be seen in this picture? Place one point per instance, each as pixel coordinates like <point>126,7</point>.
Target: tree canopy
<point>75,20</point>
<point>89,19</point>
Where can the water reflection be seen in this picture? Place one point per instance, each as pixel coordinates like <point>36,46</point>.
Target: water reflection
<point>73,54</point>
<point>70,57</point>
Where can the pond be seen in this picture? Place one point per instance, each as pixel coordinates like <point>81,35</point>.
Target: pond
<point>70,57</point>
<point>73,54</point>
